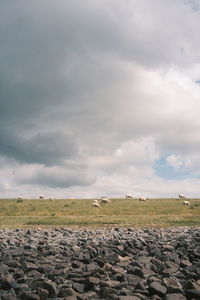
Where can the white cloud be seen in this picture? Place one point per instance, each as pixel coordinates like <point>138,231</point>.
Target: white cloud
<point>174,161</point>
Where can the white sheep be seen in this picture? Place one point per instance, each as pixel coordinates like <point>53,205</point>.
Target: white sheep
<point>181,196</point>
<point>51,199</point>
<point>186,203</point>
<point>105,200</point>
<point>142,199</point>
<point>96,204</point>
<point>129,196</point>
<point>95,201</point>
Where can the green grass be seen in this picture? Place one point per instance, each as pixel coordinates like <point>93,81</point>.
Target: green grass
<point>80,213</point>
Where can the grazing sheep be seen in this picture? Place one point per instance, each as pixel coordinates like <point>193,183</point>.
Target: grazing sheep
<point>186,203</point>
<point>96,204</point>
<point>105,200</point>
<point>19,200</point>
<point>51,199</point>
<point>96,201</point>
<point>181,196</point>
<point>142,199</point>
<point>129,196</point>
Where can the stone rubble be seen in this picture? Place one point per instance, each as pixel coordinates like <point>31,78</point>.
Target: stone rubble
<point>105,263</point>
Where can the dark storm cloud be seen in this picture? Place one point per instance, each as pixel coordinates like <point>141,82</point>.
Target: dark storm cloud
<point>49,148</point>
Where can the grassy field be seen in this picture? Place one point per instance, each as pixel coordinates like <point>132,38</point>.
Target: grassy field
<point>80,213</point>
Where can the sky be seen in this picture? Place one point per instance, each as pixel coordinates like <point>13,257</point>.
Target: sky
<point>99,98</point>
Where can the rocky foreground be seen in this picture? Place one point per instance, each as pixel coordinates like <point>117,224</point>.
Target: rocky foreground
<point>114,263</point>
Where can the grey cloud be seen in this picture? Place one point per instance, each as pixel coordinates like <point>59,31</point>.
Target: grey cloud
<point>63,177</point>
<point>49,148</point>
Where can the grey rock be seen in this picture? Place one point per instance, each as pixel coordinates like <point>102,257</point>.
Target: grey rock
<point>49,286</point>
<point>78,287</point>
<point>175,297</point>
<point>170,268</point>
<point>70,298</point>
<point>8,297</point>
<point>133,280</point>
<point>172,285</point>
<point>193,291</point>
<point>28,266</point>
<point>108,293</point>
<point>42,293</point>
<point>129,298</point>
<point>29,296</point>
<point>156,288</point>
<point>7,282</point>
<point>14,263</point>
<point>169,248</point>
<point>185,263</point>
<point>66,292</point>
<point>135,271</point>
<point>105,263</point>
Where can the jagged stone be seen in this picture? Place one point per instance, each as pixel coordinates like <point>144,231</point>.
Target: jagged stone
<point>172,285</point>
<point>8,297</point>
<point>108,293</point>
<point>170,268</point>
<point>156,288</point>
<point>7,282</point>
<point>185,263</point>
<point>175,297</point>
<point>42,293</point>
<point>100,263</point>
<point>135,271</point>
<point>193,291</point>
<point>29,296</point>
<point>49,286</point>
<point>129,298</point>
<point>78,287</point>
<point>28,266</point>
<point>70,298</point>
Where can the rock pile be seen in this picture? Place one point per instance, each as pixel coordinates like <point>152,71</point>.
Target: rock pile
<point>112,263</point>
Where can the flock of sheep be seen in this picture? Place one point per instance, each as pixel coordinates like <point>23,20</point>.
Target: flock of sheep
<point>185,202</point>
<point>106,200</point>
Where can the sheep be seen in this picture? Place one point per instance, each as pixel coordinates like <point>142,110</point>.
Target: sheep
<point>129,196</point>
<point>96,204</point>
<point>51,199</point>
<point>19,200</point>
<point>105,200</point>
<point>142,199</point>
<point>96,201</point>
<point>186,203</point>
<point>41,197</point>
<point>181,196</point>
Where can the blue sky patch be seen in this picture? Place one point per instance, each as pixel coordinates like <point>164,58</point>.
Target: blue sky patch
<point>163,170</point>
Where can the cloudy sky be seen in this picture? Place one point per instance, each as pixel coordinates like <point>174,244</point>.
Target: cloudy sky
<point>99,98</point>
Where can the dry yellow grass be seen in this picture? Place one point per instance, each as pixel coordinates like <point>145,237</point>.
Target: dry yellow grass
<point>79,212</point>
